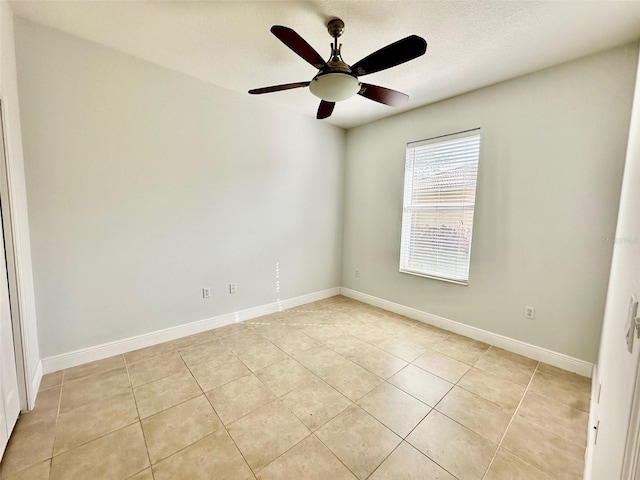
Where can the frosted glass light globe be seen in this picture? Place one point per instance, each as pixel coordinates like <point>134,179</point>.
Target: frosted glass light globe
<point>334,87</point>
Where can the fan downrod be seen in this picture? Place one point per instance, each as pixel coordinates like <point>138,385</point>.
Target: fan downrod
<point>335,27</point>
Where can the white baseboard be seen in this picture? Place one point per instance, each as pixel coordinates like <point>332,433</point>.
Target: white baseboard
<point>118,347</point>
<point>531,351</point>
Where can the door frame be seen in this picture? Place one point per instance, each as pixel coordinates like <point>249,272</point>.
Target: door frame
<point>631,459</point>
<point>16,299</point>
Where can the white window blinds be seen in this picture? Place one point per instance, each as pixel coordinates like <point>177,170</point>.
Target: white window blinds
<point>439,199</point>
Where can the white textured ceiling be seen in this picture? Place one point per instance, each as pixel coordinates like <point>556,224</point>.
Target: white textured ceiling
<point>227,43</point>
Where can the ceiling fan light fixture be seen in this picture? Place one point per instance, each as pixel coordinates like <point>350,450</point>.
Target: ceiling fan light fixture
<point>334,87</point>
<point>336,80</point>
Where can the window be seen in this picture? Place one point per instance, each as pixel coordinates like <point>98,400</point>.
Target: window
<point>439,199</point>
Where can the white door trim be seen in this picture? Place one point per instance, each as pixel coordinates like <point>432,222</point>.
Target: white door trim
<point>7,202</point>
<point>9,384</point>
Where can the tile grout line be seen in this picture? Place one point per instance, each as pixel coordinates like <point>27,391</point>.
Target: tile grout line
<point>558,403</point>
<point>135,401</point>
<point>404,440</point>
<point>202,392</point>
<point>251,372</point>
<point>331,451</point>
<point>456,421</point>
<point>385,458</point>
<point>55,429</point>
<point>149,416</point>
<point>81,406</point>
<point>94,439</point>
<point>353,403</point>
<point>445,415</point>
<point>510,422</point>
<point>224,427</point>
<point>278,399</point>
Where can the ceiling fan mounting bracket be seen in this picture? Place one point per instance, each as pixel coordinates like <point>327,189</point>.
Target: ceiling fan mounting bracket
<point>335,27</point>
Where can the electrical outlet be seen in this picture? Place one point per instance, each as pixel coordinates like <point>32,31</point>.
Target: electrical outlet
<point>357,273</point>
<point>233,288</point>
<point>206,292</point>
<point>530,313</point>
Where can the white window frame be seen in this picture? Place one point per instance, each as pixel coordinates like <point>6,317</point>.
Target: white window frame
<point>450,263</point>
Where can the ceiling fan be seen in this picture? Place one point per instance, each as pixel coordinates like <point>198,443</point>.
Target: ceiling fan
<point>337,81</point>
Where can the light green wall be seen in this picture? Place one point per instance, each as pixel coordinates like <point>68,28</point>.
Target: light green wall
<point>552,154</point>
<point>145,185</point>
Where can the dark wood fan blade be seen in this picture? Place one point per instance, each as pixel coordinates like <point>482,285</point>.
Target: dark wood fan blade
<point>277,88</point>
<point>325,109</point>
<point>394,54</point>
<point>383,95</point>
<point>299,45</point>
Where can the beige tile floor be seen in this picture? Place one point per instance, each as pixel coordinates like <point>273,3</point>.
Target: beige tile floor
<point>331,390</point>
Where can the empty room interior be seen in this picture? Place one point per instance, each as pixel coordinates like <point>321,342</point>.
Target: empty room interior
<point>214,273</point>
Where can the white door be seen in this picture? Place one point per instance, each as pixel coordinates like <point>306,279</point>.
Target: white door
<point>9,397</point>
<point>631,461</point>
